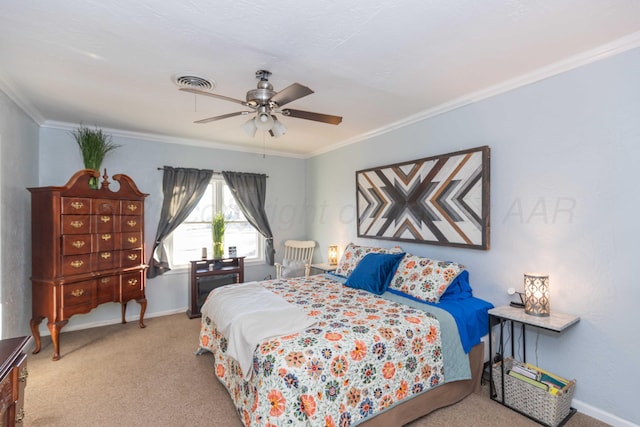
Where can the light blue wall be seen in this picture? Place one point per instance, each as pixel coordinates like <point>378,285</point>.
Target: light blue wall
<point>140,158</point>
<point>18,170</point>
<point>564,169</point>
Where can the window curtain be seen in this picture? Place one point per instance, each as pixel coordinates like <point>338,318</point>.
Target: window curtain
<point>249,190</point>
<point>182,189</point>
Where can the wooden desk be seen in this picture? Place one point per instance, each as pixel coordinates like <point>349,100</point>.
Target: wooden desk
<point>209,274</point>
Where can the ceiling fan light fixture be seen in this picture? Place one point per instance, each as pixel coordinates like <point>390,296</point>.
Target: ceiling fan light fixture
<point>250,127</point>
<point>278,128</point>
<point>264,120</point>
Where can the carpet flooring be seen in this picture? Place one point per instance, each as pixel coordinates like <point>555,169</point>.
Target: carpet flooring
<point>121,375</point>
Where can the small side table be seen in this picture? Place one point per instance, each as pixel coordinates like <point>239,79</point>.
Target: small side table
<point>322,268</point>
<point>208,274</point>
<point>556,322</point>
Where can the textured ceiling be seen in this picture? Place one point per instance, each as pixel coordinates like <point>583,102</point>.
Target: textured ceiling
<point>378,64</point>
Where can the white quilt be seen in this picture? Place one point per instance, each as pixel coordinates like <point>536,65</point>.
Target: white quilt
<point>246,314</point>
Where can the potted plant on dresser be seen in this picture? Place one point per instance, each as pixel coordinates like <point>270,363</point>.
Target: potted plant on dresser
<point>94,146</point>
<point>218,235</point>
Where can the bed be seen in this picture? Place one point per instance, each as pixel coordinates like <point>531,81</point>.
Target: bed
<point>387,339</point>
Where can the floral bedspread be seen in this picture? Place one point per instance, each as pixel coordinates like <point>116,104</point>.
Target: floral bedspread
<point>364,354</point>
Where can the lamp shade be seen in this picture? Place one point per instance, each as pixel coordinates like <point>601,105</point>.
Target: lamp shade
<point>536,294</point>
<point>333,254</point>
<point>263,120</point>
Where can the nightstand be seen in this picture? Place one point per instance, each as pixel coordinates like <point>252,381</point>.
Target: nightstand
<point>556,322</point>
<point>322,268</point>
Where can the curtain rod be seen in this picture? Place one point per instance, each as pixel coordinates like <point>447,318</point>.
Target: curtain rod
<point>219,173</point>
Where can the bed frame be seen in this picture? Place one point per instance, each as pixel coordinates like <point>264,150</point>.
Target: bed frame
<point>444,395</point>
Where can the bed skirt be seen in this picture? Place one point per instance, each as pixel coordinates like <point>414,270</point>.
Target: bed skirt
<point>444,395</point>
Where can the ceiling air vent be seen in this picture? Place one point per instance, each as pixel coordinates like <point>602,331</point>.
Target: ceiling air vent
<point>193,82</point>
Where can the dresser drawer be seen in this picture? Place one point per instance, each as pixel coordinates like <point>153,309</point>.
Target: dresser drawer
<point>108,288</point>
<point>104,223</point>
<point>131,207</point>
<point>76,264</point>
<point>106,260</point>
<point>105,241</point>
<point>75,205</point>
<point>76,224</point>
<point>74,244</point>
<point>130,223</point>
<point>106,207</point>
<point>131,258</point>
<point>78,297</point>
<point>131,240</point>
<point>131,286</point>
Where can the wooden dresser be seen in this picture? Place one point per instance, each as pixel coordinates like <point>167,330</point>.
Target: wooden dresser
<point>87,250</point>
<point>13,380</point>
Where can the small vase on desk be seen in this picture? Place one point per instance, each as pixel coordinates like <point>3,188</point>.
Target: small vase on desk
<point>218,250</point>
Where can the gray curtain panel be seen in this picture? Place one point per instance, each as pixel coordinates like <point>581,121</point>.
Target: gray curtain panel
<point>182,189</point>
<point>249,191</point>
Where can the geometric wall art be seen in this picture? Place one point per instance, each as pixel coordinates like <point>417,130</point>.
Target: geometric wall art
<point>439,200</point>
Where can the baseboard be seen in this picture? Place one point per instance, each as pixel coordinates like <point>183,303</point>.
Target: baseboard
<point>601,415</point>
<point>132,318</point>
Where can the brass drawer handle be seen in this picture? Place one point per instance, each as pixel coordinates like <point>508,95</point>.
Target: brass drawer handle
<point>77,244</point>
<point>105,255</point>
<point>132,239</point>
<point>77,292</point>
<point>23,375</point>
<point>105,280</point>
<point>77,205</point>
<point>132,257</point>
<point>132,282</point>
<point>106,237</point>
<point>77,263</point>
<point>105,218</point>
<point>20,416</point>
<point>132,207</point>
<point>76,224</point>
<point>132,223</point>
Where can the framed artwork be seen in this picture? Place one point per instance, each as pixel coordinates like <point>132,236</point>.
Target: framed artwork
<point>439,200</point>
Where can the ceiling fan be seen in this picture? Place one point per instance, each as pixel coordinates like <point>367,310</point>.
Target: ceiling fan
<point>265,103</point>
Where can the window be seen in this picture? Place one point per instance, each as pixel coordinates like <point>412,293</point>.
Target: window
<point>186,242</point>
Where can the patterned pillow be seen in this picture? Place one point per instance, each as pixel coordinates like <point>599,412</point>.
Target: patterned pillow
<point>354,253</point>
<point>424,279</point>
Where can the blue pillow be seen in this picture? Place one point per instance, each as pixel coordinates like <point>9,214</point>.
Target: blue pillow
<point>374,272</point>
<point>459,289</point>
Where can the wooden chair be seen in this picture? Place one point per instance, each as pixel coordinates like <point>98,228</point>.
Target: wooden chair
<point>296,259</point>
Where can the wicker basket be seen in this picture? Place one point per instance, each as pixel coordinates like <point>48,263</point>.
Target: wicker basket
<point>537,403</point>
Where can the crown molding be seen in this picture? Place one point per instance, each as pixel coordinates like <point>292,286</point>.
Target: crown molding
<point>616,47</point>
<point>8,88</point>
<point>151,137</point>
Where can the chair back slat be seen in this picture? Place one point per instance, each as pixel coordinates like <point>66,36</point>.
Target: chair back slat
<point>298,250</point>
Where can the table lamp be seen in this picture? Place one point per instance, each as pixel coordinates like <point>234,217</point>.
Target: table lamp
<point>536,294</point>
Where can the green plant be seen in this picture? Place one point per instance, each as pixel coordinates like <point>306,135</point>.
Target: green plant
<point>218,235</point>
<point>94,146</point>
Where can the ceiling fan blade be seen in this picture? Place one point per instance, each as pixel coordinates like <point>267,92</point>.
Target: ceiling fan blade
<point>224,116</point>
<point>213,95</point>
<point>290,93</point>
<point>308,115</point>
